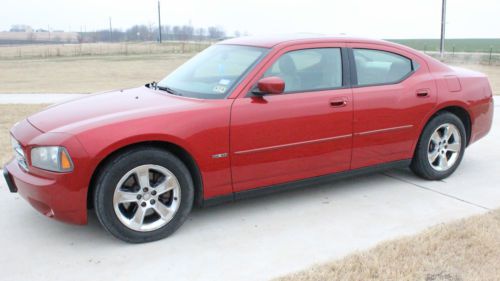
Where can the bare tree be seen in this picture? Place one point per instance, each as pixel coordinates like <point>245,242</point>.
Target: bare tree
<point>200,33</point>
<point>176,31</point>
<point>215,32</point>
<point>187,32</point>
<point>20,28</point>
<point>166,31</point>
<point>138,33</point>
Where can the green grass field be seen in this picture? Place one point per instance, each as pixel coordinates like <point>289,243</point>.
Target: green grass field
<point>460,45</point>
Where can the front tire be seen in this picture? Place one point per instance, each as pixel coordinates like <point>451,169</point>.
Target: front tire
<point>440,148</point>
<point>143,195</point>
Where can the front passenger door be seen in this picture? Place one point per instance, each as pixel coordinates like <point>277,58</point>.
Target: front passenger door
<point>303,133</point>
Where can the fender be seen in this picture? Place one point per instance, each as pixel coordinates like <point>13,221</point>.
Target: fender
<point>122,143</point>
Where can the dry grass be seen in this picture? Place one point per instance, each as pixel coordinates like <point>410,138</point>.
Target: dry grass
<point>466,250</point>
<point>9,115</point>
<point>91,67</point>
<point>85,74</point>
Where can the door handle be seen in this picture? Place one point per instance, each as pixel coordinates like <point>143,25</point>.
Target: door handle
<point>338,102</point>
<point>422,93</point>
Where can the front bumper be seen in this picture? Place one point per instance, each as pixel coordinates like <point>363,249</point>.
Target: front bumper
<point>49,196</point>
<point>12,187</point>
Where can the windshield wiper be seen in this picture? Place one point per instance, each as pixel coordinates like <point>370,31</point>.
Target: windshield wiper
<point>154,85</point>
<point>168,90</point>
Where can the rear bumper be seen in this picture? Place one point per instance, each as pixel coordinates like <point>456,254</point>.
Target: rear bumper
<point>483,120</point>
<point>49,196</point>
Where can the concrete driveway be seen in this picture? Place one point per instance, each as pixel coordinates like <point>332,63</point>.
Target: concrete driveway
<point>255,239</point>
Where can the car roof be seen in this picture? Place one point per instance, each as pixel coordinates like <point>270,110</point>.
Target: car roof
<point>271,41</point>
<point>300,38</point>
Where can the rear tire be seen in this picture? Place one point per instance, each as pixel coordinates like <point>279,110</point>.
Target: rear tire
<point>440,148</point>
<point>143,195</point>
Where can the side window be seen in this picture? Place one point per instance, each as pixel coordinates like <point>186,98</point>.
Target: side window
<point>380,67</point>
<point>309,69</point>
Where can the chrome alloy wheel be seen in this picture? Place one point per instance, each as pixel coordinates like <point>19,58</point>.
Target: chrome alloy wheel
<point>444,147</point>
<point>147,197</point>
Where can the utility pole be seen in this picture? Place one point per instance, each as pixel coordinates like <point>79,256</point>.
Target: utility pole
<point>443,27</point>
<point>159,21</point>
<point>110,30</point>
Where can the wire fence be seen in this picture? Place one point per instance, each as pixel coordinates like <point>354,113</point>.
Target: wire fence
<point>100,49</point>
<point>489,58</point>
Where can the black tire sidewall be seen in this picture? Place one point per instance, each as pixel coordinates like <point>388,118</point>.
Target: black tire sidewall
<point>114,171</point>
<point>420,164</point>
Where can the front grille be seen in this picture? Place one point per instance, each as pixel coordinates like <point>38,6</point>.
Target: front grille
<point>19,154</point>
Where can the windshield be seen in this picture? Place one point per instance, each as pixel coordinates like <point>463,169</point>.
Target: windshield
<point>213,73</point>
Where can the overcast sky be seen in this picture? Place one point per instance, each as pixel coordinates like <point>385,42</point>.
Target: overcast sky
<point>377,18</point>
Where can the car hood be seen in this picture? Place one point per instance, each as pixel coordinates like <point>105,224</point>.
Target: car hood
<point>105,108</point>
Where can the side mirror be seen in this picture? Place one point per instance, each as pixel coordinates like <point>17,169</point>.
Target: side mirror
<point>272,85</point>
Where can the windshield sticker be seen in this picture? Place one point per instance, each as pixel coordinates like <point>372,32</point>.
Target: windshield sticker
<point>220,89</point>
<point>220,68</point>
<point>224,82</point>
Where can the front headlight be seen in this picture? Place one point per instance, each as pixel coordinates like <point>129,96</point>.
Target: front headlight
<point>51,158</point>
<point>19,153</point>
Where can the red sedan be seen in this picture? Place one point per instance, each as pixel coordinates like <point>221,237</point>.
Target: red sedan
<point>245,117</point>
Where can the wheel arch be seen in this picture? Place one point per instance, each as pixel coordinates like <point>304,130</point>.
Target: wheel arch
<point>464,116</point>
<point>458,110</point>
<point>171,147</point>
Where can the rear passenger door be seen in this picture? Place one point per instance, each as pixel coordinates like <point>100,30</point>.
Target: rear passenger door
<point>393,92</point>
